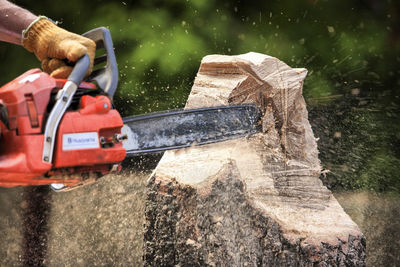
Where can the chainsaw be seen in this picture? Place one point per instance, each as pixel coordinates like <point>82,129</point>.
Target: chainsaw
<point>66,132</point>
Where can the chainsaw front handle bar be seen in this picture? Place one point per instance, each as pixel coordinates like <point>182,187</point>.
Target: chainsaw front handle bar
<point>63,100</point>
<point>106,76</point>
<point>80,69</point>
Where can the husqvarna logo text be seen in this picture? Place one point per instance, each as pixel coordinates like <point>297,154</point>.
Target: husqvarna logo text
<point>80,141</point>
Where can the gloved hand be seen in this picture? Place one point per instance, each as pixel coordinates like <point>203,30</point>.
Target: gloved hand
<point>51,45</point>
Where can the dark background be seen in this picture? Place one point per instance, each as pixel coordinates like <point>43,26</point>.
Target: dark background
<point>350,48</point>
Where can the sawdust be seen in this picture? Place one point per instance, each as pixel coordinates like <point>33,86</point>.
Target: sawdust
<point>88,226</point>
<point>101,224</point>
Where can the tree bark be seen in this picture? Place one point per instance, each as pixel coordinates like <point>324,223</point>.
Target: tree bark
<point>254,201</point>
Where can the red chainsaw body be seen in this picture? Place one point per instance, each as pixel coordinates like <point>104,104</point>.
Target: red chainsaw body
<point>78,150</point>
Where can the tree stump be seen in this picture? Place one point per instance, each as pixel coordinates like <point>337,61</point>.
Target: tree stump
<point>253,201</point>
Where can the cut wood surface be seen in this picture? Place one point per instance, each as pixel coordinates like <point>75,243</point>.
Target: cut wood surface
<point>251,201</point>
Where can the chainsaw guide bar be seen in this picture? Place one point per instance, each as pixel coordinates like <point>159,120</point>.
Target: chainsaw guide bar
<point>157,132</point>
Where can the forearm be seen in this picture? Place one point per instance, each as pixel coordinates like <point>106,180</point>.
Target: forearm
<point>13,20</point>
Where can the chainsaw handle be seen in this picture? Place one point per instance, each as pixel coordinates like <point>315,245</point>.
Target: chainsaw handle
<point>106,76</point>
<point>80,69</point>
<point>63,100</point>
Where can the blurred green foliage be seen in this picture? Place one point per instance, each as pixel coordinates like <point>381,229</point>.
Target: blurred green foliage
<point>351,49</point>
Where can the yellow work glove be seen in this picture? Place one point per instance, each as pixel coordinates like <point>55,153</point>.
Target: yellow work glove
<point>51,44</point>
